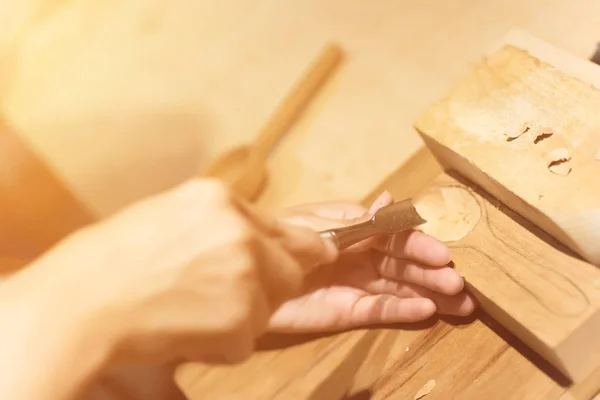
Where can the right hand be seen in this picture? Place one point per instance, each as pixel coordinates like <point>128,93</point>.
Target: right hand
<point>192,273</point>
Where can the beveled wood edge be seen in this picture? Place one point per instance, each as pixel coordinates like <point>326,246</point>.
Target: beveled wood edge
<point>418,172</point>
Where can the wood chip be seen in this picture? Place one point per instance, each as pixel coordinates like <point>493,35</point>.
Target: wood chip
<point>425,390</point>
<point>558,161</point>
<point>542,133</point>
<point>515,134</point>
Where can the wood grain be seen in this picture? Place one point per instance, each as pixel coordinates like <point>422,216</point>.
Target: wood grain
<point>471,131</point>
<point>401,359</point>
<point>508,91</point>
<point>521,276</point>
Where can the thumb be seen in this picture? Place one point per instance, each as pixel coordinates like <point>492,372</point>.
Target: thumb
<point>324,216</point>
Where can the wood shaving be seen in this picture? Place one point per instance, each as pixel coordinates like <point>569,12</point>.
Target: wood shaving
<point>541,134</point>
<point>557,161</point>
<point>561,169</point>
<point>515,134</point>
<point>425,390</point>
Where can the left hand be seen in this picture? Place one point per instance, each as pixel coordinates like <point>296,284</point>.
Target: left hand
<point>383,280</point>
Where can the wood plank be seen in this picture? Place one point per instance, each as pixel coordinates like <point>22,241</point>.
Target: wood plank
<point>471,131</point>
<point>511,92</point>
<point>517,373</point>
<point>519,274</point>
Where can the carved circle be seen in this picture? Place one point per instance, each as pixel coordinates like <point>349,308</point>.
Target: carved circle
<point>451,212</point>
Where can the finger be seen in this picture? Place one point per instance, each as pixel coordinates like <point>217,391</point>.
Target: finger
<point>321,216</point>
<point>262,309</point>
<point>335,211</point>
<point>281,274</point>
<point>308,246</point>
<point>264,222</point>
<point>461,304</point>
<point>320,224</point>
<point>386,309</point>
<point>326,216</point>
<point>385,199</point>
<point>443,280</point>
<point>303,243</point>
<point>416,246</point>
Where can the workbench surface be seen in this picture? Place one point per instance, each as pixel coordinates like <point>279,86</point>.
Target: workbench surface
<point>401,57</point>
<point>469,358</point>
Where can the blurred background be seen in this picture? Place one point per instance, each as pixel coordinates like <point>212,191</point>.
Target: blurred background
<point>123,98</point>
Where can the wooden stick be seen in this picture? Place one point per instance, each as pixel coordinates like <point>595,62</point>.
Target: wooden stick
<point>244,168</point>
<point>299,97</point>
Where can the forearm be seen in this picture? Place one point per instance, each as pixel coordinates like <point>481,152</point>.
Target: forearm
<point>49,347</point>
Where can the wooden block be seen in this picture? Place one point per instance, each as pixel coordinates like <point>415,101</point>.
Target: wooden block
<point>524,278</point>
<point>530,135</point>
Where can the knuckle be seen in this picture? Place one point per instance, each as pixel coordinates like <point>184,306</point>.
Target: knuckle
<point>245,243</point>
<point>217,190</point>
<point>241,349</point>
<point>212,190</point>
<point>244,266</point>
<point>244,239</point>
<point>237,317</point>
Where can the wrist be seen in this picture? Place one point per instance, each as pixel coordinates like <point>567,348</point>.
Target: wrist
<point>50,339</point>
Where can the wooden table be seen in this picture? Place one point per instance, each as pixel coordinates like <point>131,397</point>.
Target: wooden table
<point>472,358</point>
<point>469,359</point>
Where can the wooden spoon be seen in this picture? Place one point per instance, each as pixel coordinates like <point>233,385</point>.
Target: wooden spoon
<point>244,168</point>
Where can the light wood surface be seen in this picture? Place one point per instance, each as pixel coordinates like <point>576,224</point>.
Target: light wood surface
<point>513,93</point>
<point>546,297</point>
<point>469,358</point>
<point>521,276</point>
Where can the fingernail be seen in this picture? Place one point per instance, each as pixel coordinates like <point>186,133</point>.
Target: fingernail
<point>330,213</point>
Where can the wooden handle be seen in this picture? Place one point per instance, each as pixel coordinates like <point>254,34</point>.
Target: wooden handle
<point>293,105</point>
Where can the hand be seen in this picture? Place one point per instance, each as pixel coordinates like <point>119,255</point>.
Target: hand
<point>191,273</point>
<point>383,280</point>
